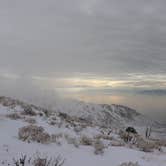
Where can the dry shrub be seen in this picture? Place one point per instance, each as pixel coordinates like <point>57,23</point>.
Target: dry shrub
<point>14,116</point>
<point>139,142</point>
<point>126,136</point>
<point>45,161</point>
<point>30,120</point>
<point>86,141</point>
<point>161,143</point>
<point>129,164</point>
<point>34,133</point>
<point>21,161</point>
<point>146,146</point>
<point>99,147</point>
<point>38,161</point>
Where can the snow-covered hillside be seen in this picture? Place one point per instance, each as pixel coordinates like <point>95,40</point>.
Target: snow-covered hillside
<point>82,133</point>
<point>106,115</point>
<point>99,114</point>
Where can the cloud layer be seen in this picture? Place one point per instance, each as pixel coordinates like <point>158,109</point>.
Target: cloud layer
<point>98,38</point>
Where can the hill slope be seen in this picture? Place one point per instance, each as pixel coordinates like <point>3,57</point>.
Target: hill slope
<point>84,135</point>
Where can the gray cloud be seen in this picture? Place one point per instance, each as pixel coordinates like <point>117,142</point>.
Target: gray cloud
<point>108,37</point>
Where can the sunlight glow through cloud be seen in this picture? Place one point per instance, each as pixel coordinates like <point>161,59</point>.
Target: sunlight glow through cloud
<point>83,82</point>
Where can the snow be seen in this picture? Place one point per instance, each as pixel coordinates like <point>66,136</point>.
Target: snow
<point>11,147</point>
<point>73,156</point>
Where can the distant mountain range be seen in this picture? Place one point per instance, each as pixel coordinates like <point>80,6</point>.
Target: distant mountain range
<point>154,92</point>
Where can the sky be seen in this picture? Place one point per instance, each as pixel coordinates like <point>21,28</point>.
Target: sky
<point>82,45</point>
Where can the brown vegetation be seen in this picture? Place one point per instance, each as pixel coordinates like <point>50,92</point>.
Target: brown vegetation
<point>34,133</point>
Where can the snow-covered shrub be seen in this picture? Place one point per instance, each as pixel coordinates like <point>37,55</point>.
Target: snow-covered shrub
<point>78,128</point>
<point>54,119</point>
<point>64,116</point>
<point>34,133</point>
<point>8,102</point>
<point>86,141</point>
<point>30,120</point>
<point>117,143</point>
<point>70,120</point>
<point>47,112</point>
<point>55,138</point>
<point>129,164</point>
<point>40,114</point>
<point>28,111</point>
<point>14,116</point>
<point>102,136</point>
<point>52,122</point>
<point>99,147</point>
<point>144,144</point>
<point>73,141</point>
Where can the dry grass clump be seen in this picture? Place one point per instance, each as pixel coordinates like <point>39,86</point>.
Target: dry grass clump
<point>98,147</point>
<point>34,133</point>
<point>14,116</point>
<point>30,120</point>
<point>129,164</point>
<point>86,141</point>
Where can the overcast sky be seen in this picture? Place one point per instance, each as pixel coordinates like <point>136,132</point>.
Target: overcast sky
<point>83,43</point>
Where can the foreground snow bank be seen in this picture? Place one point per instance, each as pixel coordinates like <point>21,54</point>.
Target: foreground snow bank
<point>11,147</point>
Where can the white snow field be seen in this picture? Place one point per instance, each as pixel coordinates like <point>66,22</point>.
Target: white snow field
<point>12,147</point>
